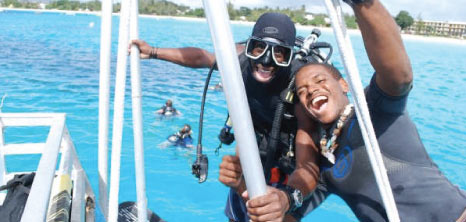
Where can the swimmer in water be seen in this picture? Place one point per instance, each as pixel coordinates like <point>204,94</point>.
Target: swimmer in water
<point>168,109</point>
<point>218,87</point>
<point>183,137</point>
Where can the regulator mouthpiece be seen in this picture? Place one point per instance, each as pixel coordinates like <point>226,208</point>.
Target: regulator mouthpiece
<point>200,168</point>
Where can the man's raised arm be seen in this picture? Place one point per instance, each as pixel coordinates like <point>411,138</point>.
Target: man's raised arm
<point>189,56</point>
<point>384,47</point>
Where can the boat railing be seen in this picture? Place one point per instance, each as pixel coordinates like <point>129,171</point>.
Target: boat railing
<point>58,142</point>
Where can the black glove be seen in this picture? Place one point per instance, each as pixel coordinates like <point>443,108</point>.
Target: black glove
<point>355,2</point>
<point>225,136</point>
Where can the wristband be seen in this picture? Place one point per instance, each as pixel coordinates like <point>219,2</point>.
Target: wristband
<point>153,53</point>
<point>355,2</point>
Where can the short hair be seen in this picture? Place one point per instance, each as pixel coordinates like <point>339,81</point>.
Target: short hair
<point>334,71</point>
<point>169,102</point>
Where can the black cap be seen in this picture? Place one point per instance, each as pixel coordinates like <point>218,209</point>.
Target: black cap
<point>275,25</point>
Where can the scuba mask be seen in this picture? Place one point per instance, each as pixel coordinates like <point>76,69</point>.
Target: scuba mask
<point>266,50</point>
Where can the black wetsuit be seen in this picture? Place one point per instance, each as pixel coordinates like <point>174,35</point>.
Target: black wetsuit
<point>421,191</point>
<point>166,109</point>
<point>263,100</point>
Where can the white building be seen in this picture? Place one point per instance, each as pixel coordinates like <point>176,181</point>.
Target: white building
<point>451,29</point>
<point>309,17</point>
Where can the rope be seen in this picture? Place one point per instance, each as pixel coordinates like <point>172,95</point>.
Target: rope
<point>362,112</point>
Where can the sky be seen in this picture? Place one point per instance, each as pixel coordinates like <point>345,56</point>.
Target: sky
<point>436,10</point>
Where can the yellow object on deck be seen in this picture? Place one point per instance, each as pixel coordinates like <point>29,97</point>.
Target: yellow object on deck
<point>60,199</point>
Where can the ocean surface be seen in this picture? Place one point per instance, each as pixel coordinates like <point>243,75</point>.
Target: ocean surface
<point>49,62</point>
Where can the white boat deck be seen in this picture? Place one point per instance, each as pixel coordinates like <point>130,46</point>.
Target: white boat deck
<point>58,142</point>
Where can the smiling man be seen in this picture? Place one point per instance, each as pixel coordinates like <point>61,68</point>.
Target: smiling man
<point>266,64</point>
<point>330,147</point>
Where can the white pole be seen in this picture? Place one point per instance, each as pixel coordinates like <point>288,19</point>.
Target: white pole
<point>137,116</point>
<point>2,154</point>
<point>119,109</point>
<point>227,59</point>
<point>104,95</point>
<point>38,200</point>
<point>362,112</point>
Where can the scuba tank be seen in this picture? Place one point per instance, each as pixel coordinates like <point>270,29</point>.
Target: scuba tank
<point>179,139</point>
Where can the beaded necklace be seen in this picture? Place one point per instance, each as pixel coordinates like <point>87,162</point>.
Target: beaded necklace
<point>328,146</point>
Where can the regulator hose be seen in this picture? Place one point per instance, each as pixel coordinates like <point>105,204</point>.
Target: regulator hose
<point>200,166</point>
<point>286,96</point>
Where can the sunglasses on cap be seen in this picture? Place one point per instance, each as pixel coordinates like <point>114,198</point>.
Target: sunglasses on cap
<point>257,47</point>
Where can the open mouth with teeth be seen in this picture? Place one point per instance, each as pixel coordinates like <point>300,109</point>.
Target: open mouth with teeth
<point>319,103</point>
<point>264,74</point>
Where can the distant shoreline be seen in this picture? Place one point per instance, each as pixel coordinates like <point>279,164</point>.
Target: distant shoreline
<point>299,27</point>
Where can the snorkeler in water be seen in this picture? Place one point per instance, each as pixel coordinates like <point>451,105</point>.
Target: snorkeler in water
<point>182,138</point>
<point>168,109</point>
<point>218,87</point>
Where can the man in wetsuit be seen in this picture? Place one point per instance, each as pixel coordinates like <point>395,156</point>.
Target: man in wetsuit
<point>266,68</point>
<point>168,109</point>
<point>421,191</point>
<point>183,137</point>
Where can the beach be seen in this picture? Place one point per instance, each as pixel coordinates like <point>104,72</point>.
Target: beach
<point>247,23</point>
<point>323,29</point>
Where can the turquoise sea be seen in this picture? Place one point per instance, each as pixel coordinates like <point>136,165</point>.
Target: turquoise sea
<point>49,62</point>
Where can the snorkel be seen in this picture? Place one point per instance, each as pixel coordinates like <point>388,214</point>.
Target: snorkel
<point>265,71</point>
<point>266,59</point>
